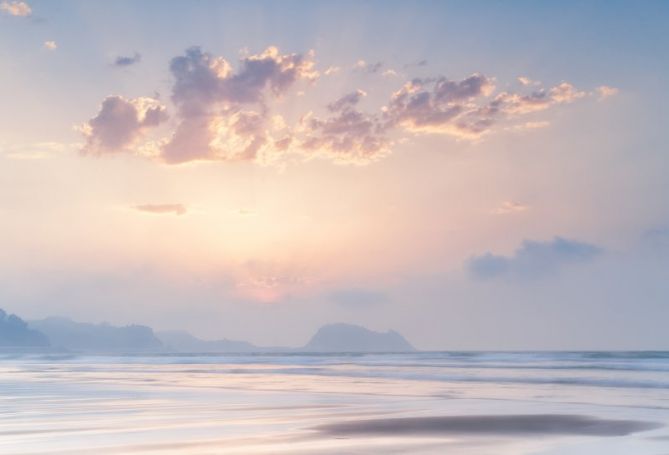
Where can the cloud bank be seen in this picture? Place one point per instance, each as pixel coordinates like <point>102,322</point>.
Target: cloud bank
<point>533,259</point>
<point>226,113</point>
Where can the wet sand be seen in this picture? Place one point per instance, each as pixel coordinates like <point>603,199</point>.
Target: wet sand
<point>424,403</point>
<point>534,424</point>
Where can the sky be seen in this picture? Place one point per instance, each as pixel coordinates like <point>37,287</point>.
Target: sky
<point>475,175</point>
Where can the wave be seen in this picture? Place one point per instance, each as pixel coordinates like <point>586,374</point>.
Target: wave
<point>610,369</point>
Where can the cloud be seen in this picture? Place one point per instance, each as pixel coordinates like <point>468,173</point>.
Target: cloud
<point>528,126</point>
<point>508,207</point>
<point>604,91</point>
<point>15,8</point>
<point>50,45</point>
<point>35,150</point>
<point>331,70</point>
<point>358,297</point>
<point>123,61</point>
<point>468,109</point>
<point>120,123</point>
<point>465,109</point>
<point>538,100</point>
<point>202,80</point>
<point>366,67</point>
<point>245,212</point>
<point>563,93</point>
<point>348,136</point>
<point>348,100</point>
<point>226,113</point>
<point>440,105</point>
<point>526,81</point>
<point>161,209</point>
<point>212,101</point>
<point>237,136</point>
<point>419,63</point>
<point>532,259</point>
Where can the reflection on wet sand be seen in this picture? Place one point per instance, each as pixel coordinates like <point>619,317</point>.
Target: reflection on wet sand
<point>553,424</point>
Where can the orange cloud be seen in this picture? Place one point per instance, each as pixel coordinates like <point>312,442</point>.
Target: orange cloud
<point>605,91</point>
<point>509,207</point>
<point>161,209</point>
<point>16,8</point>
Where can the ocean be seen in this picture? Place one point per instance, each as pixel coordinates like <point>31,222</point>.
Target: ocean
<point>483,403</point>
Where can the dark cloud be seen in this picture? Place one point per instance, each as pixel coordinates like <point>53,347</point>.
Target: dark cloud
<point>162,209</point>
<point>358,297</point>
<point>122,61</point>
<point>532,259</point>
<point>346,101</point>
<point>120,123</point>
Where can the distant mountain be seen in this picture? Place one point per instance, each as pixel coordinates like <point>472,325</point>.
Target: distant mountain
<point>99,338</point>
<point>63,333</point>
<point>353,338</point>
<point>181,341</point>
<point>14,332</point>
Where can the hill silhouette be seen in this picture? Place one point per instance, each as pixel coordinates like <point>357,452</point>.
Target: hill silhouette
<point>354,338</point>
<point>14,332</point>
<point>80,336</point>
<point>181,341</point>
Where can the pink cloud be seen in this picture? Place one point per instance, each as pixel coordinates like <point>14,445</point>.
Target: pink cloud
<point>162,209</point>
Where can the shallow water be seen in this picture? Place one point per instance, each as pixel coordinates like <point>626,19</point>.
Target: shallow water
<point>422,403</point>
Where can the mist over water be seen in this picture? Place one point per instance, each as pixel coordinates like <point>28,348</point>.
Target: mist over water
<point>425,403</point>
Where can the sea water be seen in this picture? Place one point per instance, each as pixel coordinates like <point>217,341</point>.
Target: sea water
<point>487,403</point>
